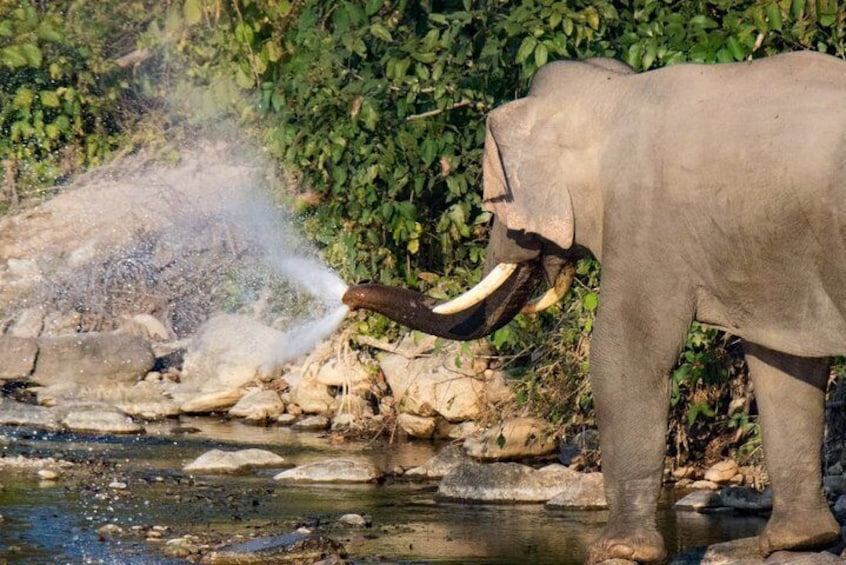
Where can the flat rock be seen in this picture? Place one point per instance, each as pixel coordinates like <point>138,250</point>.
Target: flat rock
<point>505,482</point>
<point>17,356</point>
<point>258,406</point>
<point>99,419</point>
<point>289,548</point>
<point>92,359</point>
<point>13,413</point>
<point>745,552</point>
<point>747,499</point>
<point>587,492</point>
<point>511,439</point>
<point>699,501</point>
<point>192,402</point>
<point>332,471</point>
<point>219,461</point>
<point>315,423</point>
<point>446,460</point>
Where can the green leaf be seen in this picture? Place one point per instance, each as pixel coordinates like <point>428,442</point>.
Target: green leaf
<point>49,98</point>
<point>541,55</point>
<point>590,301</point>
<point>13,57</point>
<point>32,54</point>
<point>192,11</point>
<point>526,48</point>
<point>773,12</point>
<point>380,31</point>
<point>735,48</point>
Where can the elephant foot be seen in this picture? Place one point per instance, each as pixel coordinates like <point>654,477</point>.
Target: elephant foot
<point>633,543</point>
<point>799,531</point>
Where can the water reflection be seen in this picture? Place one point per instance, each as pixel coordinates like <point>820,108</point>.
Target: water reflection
<point>408,524</point>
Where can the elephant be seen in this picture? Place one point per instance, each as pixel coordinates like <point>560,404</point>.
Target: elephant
<point>710,193</point>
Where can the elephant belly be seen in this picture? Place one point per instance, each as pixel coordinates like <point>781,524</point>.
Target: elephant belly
<point>795,319</point>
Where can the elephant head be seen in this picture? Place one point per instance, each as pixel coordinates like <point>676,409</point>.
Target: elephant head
<point>521,191</point>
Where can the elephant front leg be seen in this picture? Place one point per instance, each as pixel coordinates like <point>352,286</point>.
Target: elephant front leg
<point>790,392</point>
<point>633,348</point>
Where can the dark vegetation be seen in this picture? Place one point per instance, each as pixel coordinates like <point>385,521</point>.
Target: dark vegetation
<point>378,107</point>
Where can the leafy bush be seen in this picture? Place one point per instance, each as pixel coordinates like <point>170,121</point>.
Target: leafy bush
<point>63,99</point>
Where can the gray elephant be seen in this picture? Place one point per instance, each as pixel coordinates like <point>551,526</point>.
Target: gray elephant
<point>714,193</point>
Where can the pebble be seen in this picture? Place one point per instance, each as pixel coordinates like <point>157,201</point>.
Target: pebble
<point>119,485</point>
<point>47,475</point>
<point>353,521</point>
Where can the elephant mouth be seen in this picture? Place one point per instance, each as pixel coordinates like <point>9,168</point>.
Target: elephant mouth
<point>480,311</point>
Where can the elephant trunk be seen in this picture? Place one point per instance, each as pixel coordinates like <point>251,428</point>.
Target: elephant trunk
<point>479,319</point>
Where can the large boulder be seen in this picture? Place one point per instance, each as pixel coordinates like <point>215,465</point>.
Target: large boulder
<point>17,356</point>
<point>92,359</point>
<point>231,351</point>
<point>332,471</point>
<point>512,439</point>
<point>219,461</point>
<point>505,482</point>
<point>442,385</point>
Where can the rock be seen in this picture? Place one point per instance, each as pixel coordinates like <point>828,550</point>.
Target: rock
<point>147,327</point>
<point>699,501</point>
<point>722,472</point>
<point>463,430</point>
<point>118,485</point>
<point>181,548</point>
<point>585,493</point>
<point>745,552</point>
<point>231,351</point>
<point>92,359</point>
<point>28,323</point>
<point>417,426</point>
<point>747,499</point>
<point>150,410</point>
<point>290,548</point>
<point>13,413</point>
<point>835,484</point>
<point>286,419</point>
<point>311,396</point>
<point>258,406</point>
<point>803,558</point>
<point>209,402</point>
<point>332,471</point>
<point>839,508</point>
<point>446,460</point>
<point>219,461</point>
<point>353,521</point>
<point>511,439</point>
<point>98,418</point>
<point>351,373</point>
<point>585,440</point>
<point>703,485</point>
<point>48,475</point>
<point>504,482</point>
<point>427,386</point>
<point>109,530</point>
<point>312,424</point>
<point>17,357</point>
<point>344,421</point>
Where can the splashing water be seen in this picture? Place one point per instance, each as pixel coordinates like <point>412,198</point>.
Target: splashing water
<point>292,258</point>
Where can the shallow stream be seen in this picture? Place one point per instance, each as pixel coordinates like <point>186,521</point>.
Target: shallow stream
<point>137,483</point>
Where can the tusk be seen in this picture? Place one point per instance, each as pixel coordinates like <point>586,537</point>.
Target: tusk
<point>554,294</point>
<point>485,288</point>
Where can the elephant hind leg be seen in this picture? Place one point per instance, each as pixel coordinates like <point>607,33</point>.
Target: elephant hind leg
<point>790,392</point>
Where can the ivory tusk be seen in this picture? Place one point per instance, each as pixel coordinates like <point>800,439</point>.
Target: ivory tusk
<point>554,294</point>
<point>485,288</point>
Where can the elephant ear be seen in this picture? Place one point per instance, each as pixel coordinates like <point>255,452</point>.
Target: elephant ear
<point>524,174</point>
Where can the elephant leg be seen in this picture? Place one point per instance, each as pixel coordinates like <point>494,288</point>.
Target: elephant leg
<point>635,343</point>
<point>790,392</point>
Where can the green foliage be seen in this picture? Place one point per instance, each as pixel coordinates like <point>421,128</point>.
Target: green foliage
<point>61,95</point>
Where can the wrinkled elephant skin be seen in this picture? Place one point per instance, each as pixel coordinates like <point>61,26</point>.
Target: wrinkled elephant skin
<point>714,193</point>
